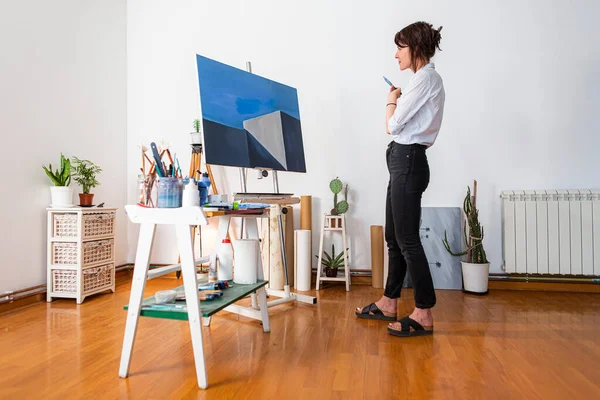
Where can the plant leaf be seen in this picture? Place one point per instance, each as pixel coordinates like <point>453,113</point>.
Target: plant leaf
<point>51,176</point>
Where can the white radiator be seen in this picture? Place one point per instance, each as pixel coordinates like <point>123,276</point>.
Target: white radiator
<point>551,231</point>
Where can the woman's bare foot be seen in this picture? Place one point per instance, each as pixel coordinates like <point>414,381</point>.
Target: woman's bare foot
<point>421,315</point>
<point>385,304</point>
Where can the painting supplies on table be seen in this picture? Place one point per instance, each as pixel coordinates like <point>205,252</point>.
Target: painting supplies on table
<point>219,285</point>
<point>203,296</point>
<point>165,307</point>
<point>168,192</point>
<point>215,200</point>
<point>266,196</point>
<point>165,296</point>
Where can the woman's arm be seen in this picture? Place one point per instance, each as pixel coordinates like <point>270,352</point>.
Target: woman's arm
<point>391,105</point>
<point>407,105</point>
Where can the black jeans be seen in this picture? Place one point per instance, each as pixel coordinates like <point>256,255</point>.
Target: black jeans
<point>409,177</point>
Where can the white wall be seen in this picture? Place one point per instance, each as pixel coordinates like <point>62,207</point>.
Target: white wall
<point>520,81</point>
<point>62,89</point>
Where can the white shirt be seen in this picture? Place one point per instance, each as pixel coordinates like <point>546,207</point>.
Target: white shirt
<point>419,110</point>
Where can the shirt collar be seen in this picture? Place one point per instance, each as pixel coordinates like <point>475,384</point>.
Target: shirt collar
<point>427,66</point>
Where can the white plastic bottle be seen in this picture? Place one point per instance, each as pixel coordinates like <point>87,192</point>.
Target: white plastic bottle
<point>225,256</point>
<point>191,194</point>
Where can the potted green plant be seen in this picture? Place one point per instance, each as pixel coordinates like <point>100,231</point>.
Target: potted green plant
<point>196,135</point>
<point>84,174</point>
<point>61,194</point>
<point>339,207</point>
<point>476,268</point>
<point>332,262</point>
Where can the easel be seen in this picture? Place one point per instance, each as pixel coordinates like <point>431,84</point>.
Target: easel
<point>286,294</point>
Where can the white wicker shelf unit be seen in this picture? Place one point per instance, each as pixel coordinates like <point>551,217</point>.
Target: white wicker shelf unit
<point>81,252</point>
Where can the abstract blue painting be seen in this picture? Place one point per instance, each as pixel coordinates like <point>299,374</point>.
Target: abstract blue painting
<point>248,121</point>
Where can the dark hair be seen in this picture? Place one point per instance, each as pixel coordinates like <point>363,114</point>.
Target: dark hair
<point>421,39</point>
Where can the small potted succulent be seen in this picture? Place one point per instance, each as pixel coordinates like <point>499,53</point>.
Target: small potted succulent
<point>476,268</point>
<point>332,262</point>
<point>84,174</point>
<point>61,194</point>
<point>196,135</point>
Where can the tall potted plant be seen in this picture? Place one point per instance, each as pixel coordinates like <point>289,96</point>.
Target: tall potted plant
<point>476,269</point>
<point>61,194</point>
<point>85,173</point>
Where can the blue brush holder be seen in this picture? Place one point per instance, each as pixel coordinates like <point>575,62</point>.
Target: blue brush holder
<point>170,192</point>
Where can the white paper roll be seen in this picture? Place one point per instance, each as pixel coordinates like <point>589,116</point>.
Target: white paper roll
<point>302,242</point>
<point>246,261</point>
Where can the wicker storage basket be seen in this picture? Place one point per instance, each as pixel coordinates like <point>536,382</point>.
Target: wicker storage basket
<point>94,225</point>
<point>100,224</point>
<point>64,281</point>
<point>93,252</point>
<point>97,277</point>
<point>65,225</point>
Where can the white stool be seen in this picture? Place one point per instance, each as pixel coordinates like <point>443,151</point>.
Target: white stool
<point>183,219</point>
<point>334,223</point>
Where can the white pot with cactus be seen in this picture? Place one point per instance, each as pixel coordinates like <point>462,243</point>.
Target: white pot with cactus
<point>196,136</point>
<point>476,269</point>
<point>61,194</point>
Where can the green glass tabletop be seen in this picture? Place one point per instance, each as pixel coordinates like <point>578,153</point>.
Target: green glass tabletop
<point>178,310</point>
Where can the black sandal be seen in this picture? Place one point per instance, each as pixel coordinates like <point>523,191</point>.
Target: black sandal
<point>407,323</point>
<point>373,312</point>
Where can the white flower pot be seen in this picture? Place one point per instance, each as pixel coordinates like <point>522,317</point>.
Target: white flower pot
<point>475,277</point>
<point>196,137</point>
<point>62,196</point>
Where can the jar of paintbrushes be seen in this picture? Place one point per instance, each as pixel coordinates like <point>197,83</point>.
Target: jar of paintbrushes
<point>170,191</point>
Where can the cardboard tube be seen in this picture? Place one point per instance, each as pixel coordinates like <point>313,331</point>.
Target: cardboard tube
<point>377,256</point>
<point>306,213</point>
<point>302,242</point>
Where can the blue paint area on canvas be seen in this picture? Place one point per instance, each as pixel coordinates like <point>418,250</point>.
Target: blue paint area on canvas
<point>292,141</point>
<point>230,95</point>
<point>218,136</point>
<point>260,157</point>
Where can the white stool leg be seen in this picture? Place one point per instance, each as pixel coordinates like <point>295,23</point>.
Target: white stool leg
<point>252,233</point>
<point>190,283</point>
<point>264,309</point>
<point>319,267</point>
<point>261,294</point>
<point>140,273</point>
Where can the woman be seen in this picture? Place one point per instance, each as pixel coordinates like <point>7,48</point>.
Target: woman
<point>413,120</point>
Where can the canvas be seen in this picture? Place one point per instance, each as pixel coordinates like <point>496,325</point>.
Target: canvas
<point>248,121</point>
<point>446,269</point>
